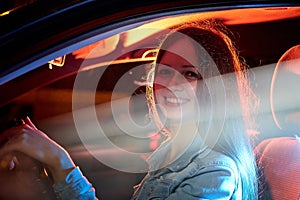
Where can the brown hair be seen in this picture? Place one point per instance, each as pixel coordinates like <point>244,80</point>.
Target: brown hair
<point>233,140</point>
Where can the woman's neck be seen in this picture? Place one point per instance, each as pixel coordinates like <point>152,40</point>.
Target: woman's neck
<point>182,135</point>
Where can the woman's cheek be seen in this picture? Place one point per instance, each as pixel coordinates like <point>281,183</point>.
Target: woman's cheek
<point>158,86</point>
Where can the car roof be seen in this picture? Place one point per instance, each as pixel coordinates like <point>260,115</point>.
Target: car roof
<point>52,25</point>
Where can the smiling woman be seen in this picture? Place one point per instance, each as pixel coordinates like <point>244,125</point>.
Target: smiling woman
<point>176,81</point>
<point>187,82</point>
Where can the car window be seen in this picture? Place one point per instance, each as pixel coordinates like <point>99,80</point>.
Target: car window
<point>92,100</point>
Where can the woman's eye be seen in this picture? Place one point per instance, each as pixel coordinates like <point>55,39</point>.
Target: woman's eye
<point>192,75</point>
<point>164,72</point>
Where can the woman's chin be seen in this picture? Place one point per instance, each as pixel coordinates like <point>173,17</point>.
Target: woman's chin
<point>176,115</point>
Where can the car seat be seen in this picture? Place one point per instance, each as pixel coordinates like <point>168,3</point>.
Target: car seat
<point>279,158</point>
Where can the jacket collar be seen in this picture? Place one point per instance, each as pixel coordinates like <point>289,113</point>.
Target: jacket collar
<point>158,158</point>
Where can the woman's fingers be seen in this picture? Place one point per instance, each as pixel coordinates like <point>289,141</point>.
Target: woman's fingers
<point>30,141</point>
<point>17,130</point>
<point>13,162</point>
<point>8,161</point>
<point>14,143</point>
<point>34,143</point>
<point>26,126</point>
<point>29,122</point>
<point>24,139</point>
<point>9,133</point>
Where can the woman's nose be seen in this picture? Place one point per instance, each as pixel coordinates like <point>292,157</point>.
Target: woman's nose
<point>177,82</point>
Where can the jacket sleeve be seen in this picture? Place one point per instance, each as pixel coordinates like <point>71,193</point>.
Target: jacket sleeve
<point>75,187</point>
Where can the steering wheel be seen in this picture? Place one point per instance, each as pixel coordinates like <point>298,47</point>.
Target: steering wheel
<point>28,180</point>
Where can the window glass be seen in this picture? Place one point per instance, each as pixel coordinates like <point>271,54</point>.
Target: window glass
<point>92,101</point>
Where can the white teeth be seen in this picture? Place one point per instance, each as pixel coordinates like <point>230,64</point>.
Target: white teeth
<point>175,100</point>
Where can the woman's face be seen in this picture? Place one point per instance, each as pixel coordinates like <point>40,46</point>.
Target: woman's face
<point>175,82</point>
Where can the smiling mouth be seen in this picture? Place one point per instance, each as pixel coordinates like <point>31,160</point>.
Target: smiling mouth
<point>175,101</point>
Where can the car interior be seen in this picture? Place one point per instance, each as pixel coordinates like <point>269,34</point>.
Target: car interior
<point>89,97</point>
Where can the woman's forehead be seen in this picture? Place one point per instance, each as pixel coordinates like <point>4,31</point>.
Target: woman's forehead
<point>183,49</point>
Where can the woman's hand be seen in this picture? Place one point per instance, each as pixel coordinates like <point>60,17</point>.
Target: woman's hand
<point>27,139</point>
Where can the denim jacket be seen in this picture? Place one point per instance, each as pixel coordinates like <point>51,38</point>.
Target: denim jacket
<point>196,174</point>
<point>75,187</point>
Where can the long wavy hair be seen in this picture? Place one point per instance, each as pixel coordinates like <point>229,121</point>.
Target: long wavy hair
<point>240,102</point>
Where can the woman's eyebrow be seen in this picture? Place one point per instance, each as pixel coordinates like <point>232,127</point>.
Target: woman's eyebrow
<point>189,66</point>
<point>183,66</point>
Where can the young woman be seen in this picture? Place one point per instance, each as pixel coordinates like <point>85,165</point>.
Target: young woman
<point>199,96</point>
